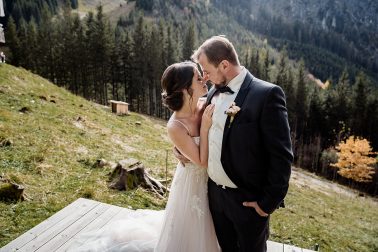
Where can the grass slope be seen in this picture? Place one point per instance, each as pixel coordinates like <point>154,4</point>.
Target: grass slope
<point>61,136</point>
<point>53,152</point>
<point>114,9</point>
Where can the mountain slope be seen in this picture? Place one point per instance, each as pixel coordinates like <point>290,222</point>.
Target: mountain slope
<point>346,29</point>
<point>329,35</point>
<point>59,136</point>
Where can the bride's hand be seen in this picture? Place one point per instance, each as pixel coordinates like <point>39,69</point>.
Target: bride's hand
<point>207,117</point>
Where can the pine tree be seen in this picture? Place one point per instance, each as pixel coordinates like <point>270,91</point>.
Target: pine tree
<point>155,69</point>
<point>78,57</point>
<point>162,36</point>
<point>301,101</point>
<point>98,37</point>
<point>127,66</point>
<point>46,45</point>
<point>13,41</point>
<point>102,53</point>
<point>246,60</point>
<point>255,63</point>
<point>331,131</point>
<point>115,65</point>
<point>89,78</point>
<point>64,48</point>
<point>265,65</point>
<point>189,41</point>
<point>172,55</point>
<point>24,48</point>
<point>343,94</point>
<point>282,78</point>
<point>139,49</point>
<point>360,104</point>
<point>316,115</point>
<point>372,120</point>
<point>32,57</point>
<point>290,97</point>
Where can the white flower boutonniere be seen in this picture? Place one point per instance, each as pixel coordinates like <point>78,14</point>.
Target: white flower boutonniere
<point>232,111</point>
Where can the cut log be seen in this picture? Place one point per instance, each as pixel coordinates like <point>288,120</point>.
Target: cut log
<point>130,174</point>
<point>11,191</point>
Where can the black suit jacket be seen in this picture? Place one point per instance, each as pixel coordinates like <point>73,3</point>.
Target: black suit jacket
<point>256,148</point>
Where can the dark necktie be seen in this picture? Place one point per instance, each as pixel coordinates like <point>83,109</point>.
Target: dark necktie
<point>225,89</point>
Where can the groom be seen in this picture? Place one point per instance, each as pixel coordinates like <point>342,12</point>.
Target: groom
<point>250,152</point>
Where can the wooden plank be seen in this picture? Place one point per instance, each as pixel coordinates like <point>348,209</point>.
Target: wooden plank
<point>275,246</point>
<point>65,234</point>
<point>62,230</point>
<point>120,215</point>
<point>78,205</point>
<point>52,231</point>
<point>95,225</point>
<point>290,248</point>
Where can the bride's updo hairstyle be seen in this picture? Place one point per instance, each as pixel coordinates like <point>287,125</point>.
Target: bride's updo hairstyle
<point>176,78</point>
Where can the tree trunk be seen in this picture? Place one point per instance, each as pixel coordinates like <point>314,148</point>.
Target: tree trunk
<point>130,174</point>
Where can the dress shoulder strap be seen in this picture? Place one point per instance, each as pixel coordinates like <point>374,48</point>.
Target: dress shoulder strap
<point>183,124</point>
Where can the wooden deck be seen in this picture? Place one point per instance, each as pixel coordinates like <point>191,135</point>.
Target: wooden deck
<point>59,232</point>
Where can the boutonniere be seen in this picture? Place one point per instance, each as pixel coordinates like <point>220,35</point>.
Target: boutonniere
<point>232,111</point>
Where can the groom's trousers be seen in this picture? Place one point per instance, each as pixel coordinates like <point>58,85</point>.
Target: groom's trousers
<point>238,228</point>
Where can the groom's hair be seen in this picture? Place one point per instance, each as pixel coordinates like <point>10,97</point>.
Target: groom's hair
<point>216,49</point>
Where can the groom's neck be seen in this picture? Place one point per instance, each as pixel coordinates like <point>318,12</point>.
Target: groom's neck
<point>234,71</point>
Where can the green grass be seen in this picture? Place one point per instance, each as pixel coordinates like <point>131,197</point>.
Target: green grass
<point>52,154</point>
<point>334,221</point>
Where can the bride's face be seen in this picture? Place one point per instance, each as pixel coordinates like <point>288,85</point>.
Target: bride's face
<point>198,85</point>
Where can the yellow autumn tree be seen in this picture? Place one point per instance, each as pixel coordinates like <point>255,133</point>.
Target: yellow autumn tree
<point>354,161</point>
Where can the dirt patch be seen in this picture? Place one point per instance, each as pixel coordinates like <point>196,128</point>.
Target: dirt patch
<point>303,178</point>
<point>78,125</point>
<point>118,141</point>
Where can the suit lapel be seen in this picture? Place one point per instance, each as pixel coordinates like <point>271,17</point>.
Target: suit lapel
<point>210,95</point>
<point>239,100</point>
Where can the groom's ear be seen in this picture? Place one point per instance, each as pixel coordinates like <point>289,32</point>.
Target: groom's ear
<point>224,65</point>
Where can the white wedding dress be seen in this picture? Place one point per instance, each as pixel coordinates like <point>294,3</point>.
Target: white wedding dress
<point>184,226</point>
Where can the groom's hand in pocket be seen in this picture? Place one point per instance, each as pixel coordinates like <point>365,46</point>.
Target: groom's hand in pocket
<point>258,210</point>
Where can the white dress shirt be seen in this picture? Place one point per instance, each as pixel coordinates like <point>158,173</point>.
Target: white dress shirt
<point>1,9</point>
<point>222,102</point>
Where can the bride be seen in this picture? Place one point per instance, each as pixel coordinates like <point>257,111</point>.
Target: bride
<point>186,224</point>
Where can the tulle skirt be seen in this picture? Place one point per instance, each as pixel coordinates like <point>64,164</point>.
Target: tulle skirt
<point>184,226</point>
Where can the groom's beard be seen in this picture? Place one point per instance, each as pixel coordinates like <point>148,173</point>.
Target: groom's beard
<point>217,85</point>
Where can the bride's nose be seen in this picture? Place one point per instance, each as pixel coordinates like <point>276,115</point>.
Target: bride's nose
<point>205,77</point>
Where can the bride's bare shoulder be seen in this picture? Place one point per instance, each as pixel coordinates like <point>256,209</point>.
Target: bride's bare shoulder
<point>175,128</point>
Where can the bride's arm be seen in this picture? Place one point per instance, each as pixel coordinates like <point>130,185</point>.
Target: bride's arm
<point>185,144</point>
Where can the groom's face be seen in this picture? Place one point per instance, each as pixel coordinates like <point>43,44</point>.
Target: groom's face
<point>210,72</point>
